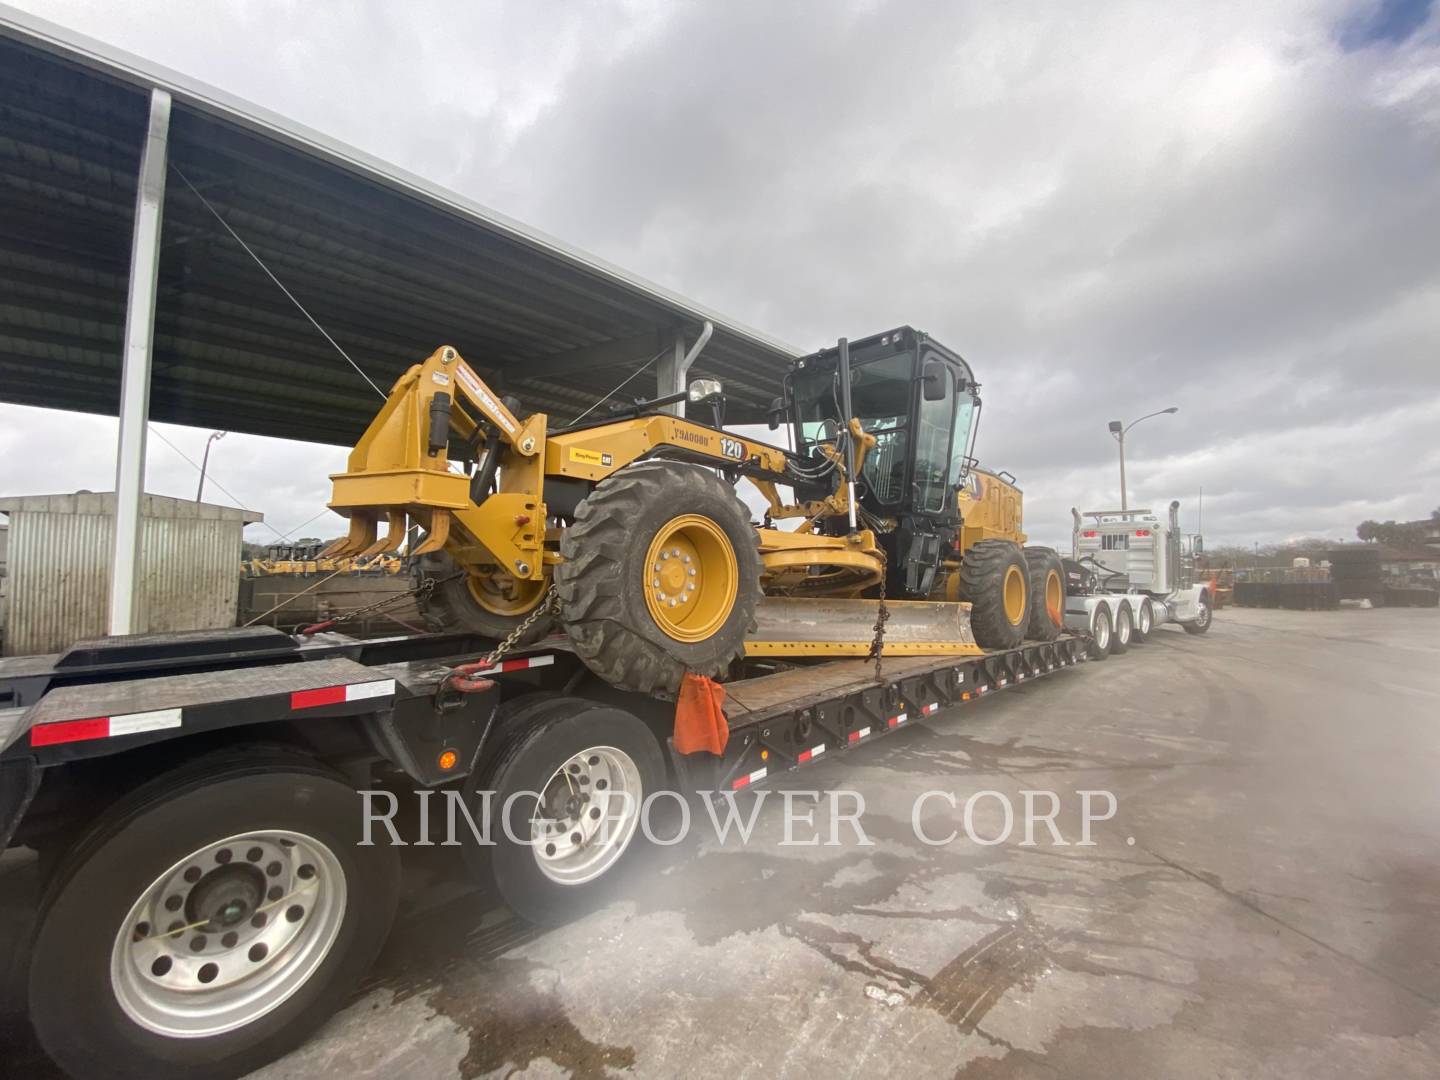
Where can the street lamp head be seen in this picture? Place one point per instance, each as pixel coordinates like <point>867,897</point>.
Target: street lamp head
<point>1173,409</point>
<point>1116,426</point>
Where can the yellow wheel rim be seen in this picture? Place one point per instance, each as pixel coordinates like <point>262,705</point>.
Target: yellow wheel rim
<point>502,594</point>
<point>691,578</point>
<point>1014,595</point>
<point>1055,598</point>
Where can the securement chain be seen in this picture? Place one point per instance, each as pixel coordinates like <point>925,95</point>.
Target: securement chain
<point>547,606</point>
<point>882,616</point>
<point>425,588</point>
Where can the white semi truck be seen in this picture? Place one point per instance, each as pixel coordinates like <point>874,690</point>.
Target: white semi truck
<point>1129,571</point>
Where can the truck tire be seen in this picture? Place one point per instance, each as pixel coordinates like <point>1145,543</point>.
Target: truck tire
<point>470,604</point>
<point>995,580</point>
<point>1123,630</point>
<point>281,913</point>
<point>1201,622</point>
<point>659,576</point>
<point>568,793</point>
<point>1047,594</point>
<point>1144,623</point>
<point>1101,633</point>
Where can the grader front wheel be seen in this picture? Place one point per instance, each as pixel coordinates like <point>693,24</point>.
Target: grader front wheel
<point>490,606</point>
<point>659,575</point>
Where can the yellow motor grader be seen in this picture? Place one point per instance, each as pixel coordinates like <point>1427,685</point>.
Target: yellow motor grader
<point>628,531</point>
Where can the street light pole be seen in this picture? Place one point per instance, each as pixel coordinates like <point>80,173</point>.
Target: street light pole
<point>1118,428</point>
<point>215,436</point>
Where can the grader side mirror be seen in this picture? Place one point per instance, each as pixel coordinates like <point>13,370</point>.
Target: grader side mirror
<point>777,414</point>
<point>932,378</point>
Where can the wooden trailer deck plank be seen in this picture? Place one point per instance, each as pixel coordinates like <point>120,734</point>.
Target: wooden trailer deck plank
<point>831,679</point>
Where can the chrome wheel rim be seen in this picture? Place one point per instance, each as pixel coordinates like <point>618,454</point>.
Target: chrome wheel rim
<point>228,933</point>
<point>1145,618</point>
<point>1124,623</point>
<point>1203,619</point>
<point>1102,631</point>
<point>586,816</point>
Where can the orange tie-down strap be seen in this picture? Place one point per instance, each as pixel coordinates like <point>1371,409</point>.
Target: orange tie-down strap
<point>700,716</point>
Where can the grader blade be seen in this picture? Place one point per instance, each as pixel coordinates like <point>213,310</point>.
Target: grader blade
<point>361,536</point>
<point>792,626</point>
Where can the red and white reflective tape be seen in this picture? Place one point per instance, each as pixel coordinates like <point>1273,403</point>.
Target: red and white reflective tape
<point>103,727</point>
<point>856,736</point>
<point>897,720</point>
<point>336,695</point>
<point>521,663</point>
<point>811,754</point>
<point>981,689</point>
<point>933,707</point>
<point>745,781</point>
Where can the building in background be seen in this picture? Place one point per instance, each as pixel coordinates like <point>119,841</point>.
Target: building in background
<point>58,567</point>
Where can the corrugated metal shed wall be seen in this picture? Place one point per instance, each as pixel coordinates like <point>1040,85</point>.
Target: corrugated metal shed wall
<point>59,567</point>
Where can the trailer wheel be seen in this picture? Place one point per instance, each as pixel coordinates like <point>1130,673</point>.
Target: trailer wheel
<point>1101,637</point>
<point>1201,622</point>
<point>568,794</point>
<point>1123,630</point>
<point>1144,623</point>
<point>210,923</point>
<point>1047,594</point>
<point>660,575</point>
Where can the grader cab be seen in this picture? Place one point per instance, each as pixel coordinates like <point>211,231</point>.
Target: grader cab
<point>628,532</point>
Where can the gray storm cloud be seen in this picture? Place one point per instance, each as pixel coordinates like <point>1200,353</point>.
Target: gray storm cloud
<point>1109,209</point>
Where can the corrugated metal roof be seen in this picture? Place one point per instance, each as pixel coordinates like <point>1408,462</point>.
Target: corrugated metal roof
<point>391,264</point>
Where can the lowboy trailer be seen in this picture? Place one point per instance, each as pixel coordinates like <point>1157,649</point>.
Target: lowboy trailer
<point>205,900</point>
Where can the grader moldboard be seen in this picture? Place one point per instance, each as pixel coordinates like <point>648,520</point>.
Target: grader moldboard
<point>632,524</point>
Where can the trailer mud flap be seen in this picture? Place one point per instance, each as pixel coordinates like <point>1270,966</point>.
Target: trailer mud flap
<point>19,781</point>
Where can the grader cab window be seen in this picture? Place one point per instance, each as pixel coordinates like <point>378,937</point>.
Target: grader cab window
<point>880,393</point>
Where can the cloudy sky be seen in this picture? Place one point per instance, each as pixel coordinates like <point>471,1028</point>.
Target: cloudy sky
<point>1108,208</point>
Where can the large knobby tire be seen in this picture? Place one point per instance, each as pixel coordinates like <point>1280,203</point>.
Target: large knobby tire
<point>625,616</point>
<point>583,771</point>
<point>995,579</point>
<point>1201,622</point>
<point>101,1003</point>
<point>1047,594</point>
<point>462,602</point>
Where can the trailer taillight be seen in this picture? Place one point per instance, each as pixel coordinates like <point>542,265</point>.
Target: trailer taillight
<point>1089,534</point>
<point>1142,532</point>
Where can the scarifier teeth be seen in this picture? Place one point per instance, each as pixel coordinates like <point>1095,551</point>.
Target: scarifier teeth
<point>360,537</point>
<point>439,532</point>
<point>394,533</point>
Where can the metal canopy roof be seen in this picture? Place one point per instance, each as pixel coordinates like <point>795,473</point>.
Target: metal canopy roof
<point>391,265</point>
